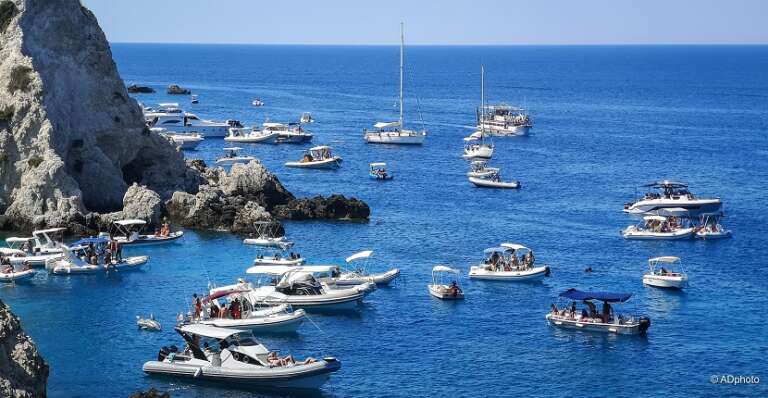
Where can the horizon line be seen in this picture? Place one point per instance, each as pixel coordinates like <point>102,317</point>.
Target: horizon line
<point>447,44</point>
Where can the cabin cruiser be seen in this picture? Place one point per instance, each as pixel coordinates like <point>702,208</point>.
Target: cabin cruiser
<point>233,309</point>
<point>299,287</point>
<point>480,169</point>
<point>589,319</point>
<point>251,135</point>
<point>660,228</point>
<point>235,357</point>
<point>493,181</point>
<point>672,194</point>
<point>188,141</point>
<point>128,233</point>
<point>710,227</point>
<point>665,272</point>
<point>441,289</point>
<point>319,157</point>
<point>233,157</point>
<point>378,171</point>
<point>76,259</point>
<point>172,118</point>
<point>266,236</point>
<point>360,273</point>
<point>509,262</point>
<point>395,132</point>
<point>504,120</point>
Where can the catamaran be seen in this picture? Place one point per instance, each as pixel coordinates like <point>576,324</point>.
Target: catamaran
<point>395,132</point>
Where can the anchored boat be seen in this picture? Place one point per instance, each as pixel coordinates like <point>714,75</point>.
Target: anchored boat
<point>509,262</point>
<point>128,233</point>
<point>660,228</point>
<point>235,357</point>
<point>319,157</point>
<point>360,274</point>
<point>494,181</point>
<point>480,169</point>
<point>266,236</point>
<point>232,157</point>
<point>710,227</point>
<point>251,135</point>
<point>671,195</point>
<point>665,271</point>
<point>607,321</point>
<point>440,288</point>
<point>378,171</point>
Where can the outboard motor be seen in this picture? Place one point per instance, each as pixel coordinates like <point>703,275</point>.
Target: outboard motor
<point>644,323</point>
<point>547,272</point>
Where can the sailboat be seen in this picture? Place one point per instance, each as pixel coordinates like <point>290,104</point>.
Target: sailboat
<point>395,132</point>
<point>476,147</point>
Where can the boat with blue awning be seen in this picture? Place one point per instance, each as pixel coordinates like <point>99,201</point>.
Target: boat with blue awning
<point>589,319</point>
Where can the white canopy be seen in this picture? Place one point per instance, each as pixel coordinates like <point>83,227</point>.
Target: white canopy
<point>233,148</point>
<point>48,231</point>
<point>378,164</point>
<point>665,259</point>
<point>443,268</point>
<point>383,125</point>
<point>169,104</point>
<point>16,239</point>
<point>470,139</point>
<point>319,148</point>
<point>360,255</point>
<point>130,222</point>
<point>513,246</point>
<point>673,211</point>
<point>210,331</point>
<point>272,124</point>
<point>654,218</point>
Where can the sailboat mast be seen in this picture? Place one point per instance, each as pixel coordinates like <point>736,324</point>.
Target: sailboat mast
<point>482,100</point>
<point>402,44</point>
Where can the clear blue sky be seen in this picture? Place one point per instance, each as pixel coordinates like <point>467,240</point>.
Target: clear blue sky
<point>434,21</point>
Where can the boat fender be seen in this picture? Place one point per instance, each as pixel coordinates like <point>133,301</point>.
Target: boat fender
<point>547,272</point>
<point>644,323</point>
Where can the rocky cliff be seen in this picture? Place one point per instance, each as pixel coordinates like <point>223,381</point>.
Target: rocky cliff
<point>23,372</point>
<point>71,139</point>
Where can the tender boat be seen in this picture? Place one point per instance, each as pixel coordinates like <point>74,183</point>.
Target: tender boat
<point>266,232</point>
<point>149,324</point>
<point>184,141</point>
<point>504,121</point>
<point>509,262</point>
<point>278,259</point>
<point>480,169</point>
<point>16,273</point>
<point>319,157</point>
<point>234,357</point>
<point>306,118</point>
<point>673,194</point>
<point>659,228</point>
<point>360,274</point>
<point>75,260</point>
<point>298,287</point>
<point>128,233</point>
<point>442,290</point>
<point>710,227</point>
<point>19,257</point>
<point>590,320</point>
<point>232,157</point>
<point>240,312</point>
<point>665,271</point>
<point>378,171</point>
<point>171,117</point>
<point>494,181</point>
<point>252,135</point>
<point>395,132</point>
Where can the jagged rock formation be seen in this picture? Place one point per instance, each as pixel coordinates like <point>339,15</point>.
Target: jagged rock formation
<point>336,207</point>
<point>23,372</point>
<point>133,88</point>
<point>71,139</point>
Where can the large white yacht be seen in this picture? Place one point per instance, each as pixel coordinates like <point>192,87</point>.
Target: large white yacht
<point>172,118</point>
<point>395,132</point>
<point>672,195</point>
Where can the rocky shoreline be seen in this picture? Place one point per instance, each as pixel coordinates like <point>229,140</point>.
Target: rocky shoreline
<point>23,372</point>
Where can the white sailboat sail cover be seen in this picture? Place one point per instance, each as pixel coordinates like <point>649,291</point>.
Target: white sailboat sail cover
<point>362,254</point>
<point>384,125</point>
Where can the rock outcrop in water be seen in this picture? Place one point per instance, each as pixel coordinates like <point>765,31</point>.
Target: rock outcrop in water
<point>71,139</point>
<point>23,372</point>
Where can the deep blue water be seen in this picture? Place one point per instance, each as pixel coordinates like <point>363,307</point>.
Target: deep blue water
<point>607,119</point>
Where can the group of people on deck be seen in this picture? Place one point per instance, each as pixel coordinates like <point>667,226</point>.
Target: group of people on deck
<point>112,253</point>
<point>605,316</point>
<point>278,256</point>
<point>232,311</point>
<point>164,231</point>
<point>6,266</point>
<point>497,262</point>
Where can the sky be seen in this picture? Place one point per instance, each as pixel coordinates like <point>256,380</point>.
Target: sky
<point>441,22</point>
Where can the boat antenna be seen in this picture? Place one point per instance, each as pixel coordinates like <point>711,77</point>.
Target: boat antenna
<point>402,44</point>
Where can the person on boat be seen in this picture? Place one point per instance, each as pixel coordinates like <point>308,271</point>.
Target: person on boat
<point>94,259</point>
<point>663,271</point>
<point>584,315</point>
<point>277,256</point>
<point>553,307</point>
<point>26,266</point>
<point>5,260</point>
<point>198,306</point>
<point>107,256</point>
<point>592,308</point>
<point>234,308</point>
<point>513,259</point>
<point>573,309</point>
<point>214,311</point>
<point>606,312</point>
<point>454,289</point>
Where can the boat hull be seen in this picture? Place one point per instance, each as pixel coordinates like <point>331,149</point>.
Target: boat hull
<point>283,322</point>
<point>440,292</point>
<point>671,282</point>
<point>694,207</point>
<point>713,235</point>
<point>381,279</point>
<point>333,163</point>
<point>254,139</point>
<point>484,183</point>
<point>19,276</point>
<point>231,161</point>
<point>147,240</point>
<point>507,131</point>
<point>294,138</point>
<point>632,233</point>
<point>395,138</point>
<point>208,131</point>
<point>533,274</point>
<point>613,328</point>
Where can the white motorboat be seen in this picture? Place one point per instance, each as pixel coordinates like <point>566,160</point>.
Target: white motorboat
<point>378,171</point>
<point>240,313</point>
<point>150,324</point>
<point>710,227</point>
<point>319,157</point>
<point>659,228</point>
<point>257,102</point>
<point>234,357</point>
<point>667,272</point>
<point>171,117</point>
<point>128,233</point>
<point>266,236</point>
<point>361,274</point>
<point>76,261</point>
<point>672,195</point>
<point>480,169</point>
<point>184,141</point>
<point>251,135</point>
<point>22,249</point>
<point>504,121</point>
<point>306,118</point>
<point>15,273</point>
<point>265,257</point>
<point>509,262</point>
<point>494,181</point>
<point>298,287</point>
<point>590,320</point>
<point>232,157</point>
<point>291,133</point>
<point>395,132</point>
<point>439,288</point>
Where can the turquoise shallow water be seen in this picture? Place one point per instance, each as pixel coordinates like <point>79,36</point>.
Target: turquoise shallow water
<point>607,119</point>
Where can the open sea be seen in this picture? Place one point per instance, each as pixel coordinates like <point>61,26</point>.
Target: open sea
<point>607,119</point>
